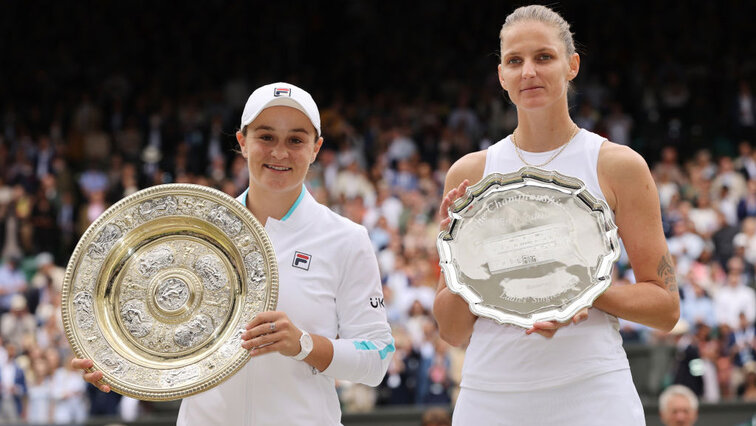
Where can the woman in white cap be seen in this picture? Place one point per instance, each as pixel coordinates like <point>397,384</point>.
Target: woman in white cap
<point>572,373</point>
<point>329,324</point>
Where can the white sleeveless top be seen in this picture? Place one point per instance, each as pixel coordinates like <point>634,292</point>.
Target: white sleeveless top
<point>503,357</point>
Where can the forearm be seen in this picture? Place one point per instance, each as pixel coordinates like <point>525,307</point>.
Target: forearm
<point>455,321</point>
<point>322,353</point>
<point>644,302</point>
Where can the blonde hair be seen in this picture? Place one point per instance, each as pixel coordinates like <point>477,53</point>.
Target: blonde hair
<point>544,15</point>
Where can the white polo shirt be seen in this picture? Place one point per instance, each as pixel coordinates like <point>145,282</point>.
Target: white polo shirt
<point>329,285</point>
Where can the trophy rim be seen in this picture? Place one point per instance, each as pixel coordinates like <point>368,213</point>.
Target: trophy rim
<point>241,356</point>
<point>529,176</point>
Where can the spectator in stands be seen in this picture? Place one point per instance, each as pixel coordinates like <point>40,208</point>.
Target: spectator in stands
<point>68,390</point>
<point>40,405</point>
<point>735,297</point>
<point>46,282</point>
<point>747,391</point>
<point>678,406</point>
<point>12,282</point>
<point>747,204</point>
<point>12,384</point>
<point>17,324</point>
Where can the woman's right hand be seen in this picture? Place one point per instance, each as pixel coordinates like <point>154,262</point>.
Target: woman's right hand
<point>453,194</point>
<point>93,377</point>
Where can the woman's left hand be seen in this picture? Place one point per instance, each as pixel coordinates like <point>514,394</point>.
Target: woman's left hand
<point>271,331</point>
<point>549,328</point>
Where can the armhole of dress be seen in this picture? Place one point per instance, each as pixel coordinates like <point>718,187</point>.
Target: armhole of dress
<point>598,178</point>
<point>490,154</point>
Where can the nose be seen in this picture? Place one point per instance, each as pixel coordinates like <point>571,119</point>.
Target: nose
<point>528,69</point>
<point>279,151</point>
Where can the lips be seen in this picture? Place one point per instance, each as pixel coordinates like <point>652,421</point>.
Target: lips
<point>530,89</point>
<point>277,168</point>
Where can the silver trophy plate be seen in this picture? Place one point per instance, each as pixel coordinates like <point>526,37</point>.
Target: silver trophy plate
<point>161,286</point>
<point>528,246</point>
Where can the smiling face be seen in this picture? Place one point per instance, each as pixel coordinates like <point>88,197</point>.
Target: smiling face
<point>279,146</point>
<point>535,68</point>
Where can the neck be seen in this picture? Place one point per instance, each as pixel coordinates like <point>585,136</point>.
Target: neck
<point>540,131</point>
<point>264,204</point>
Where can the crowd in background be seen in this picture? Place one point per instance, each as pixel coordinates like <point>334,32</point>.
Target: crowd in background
<point>79,135</point>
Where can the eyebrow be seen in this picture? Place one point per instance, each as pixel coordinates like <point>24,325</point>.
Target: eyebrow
<point>540,50</point>
<point>271,129</point>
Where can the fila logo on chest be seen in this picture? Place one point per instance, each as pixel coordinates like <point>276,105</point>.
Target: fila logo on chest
<point>301,260</point>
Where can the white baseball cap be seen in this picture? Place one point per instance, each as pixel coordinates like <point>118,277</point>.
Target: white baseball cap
<point>280,94</point>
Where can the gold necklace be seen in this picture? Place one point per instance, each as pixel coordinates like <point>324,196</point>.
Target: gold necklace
<point>556,154</point>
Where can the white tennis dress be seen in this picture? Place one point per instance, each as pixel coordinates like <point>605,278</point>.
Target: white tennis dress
<point>581,376</point>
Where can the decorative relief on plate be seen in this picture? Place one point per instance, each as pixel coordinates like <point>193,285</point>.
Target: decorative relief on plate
<point>209,267</point>
<point>158,207</point>
<point>158,297</point>
<point>172,294</point>
<point>104,241</point>
<point>112,363</point>
<point>223,219</point>
<point>155,260</point>
<point>136,318</point>
<point>180,376</point>
<point>255,264</point>
<point>84,312</point>
<point>194,331</point>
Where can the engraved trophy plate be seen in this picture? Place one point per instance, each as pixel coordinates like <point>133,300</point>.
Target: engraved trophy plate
<point>528,246</point>
<point>160,287</point>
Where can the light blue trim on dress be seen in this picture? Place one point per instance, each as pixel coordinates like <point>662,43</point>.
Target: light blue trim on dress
<point>366,345</point>
<point>291,210</point>
<point>296,203</point>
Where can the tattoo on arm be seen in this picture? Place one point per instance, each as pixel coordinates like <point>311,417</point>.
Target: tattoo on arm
<point>666,271</point>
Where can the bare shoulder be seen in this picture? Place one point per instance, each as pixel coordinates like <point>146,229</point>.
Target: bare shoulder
<point>620,169</point>
<point>613,155</point>
<point>468,167</point>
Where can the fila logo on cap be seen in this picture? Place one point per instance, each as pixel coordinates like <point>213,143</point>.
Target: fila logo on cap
<point>301,260</point>
<point>281,91</point>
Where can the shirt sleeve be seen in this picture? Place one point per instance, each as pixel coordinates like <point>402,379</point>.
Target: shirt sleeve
<point>364,348</point>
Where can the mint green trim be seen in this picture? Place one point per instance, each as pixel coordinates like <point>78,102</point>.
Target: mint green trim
<point>244,197</point>
<point>365,345</point>
<point>296,203</point>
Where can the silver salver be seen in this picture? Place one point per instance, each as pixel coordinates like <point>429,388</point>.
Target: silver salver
<point>528,246</point>
<point>161,286</point>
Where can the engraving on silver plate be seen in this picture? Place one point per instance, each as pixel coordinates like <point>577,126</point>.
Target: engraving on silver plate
<point>136,319</point>
<point>113,363</point>
<point>194,331</point>
<point>104,241</point>
<point>172,294</point>
<point>223,219</point>
<point>255,268</point>
<point>210,268</point>
<point>528,246</point>
<point>83,304</point>
<point>175,378</point>
<point>155,260</point>
<point>157,207</point>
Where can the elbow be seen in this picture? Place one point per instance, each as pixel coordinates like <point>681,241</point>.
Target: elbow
<point>454,339</point>
<point>374,380</point>
<point>670,320</point>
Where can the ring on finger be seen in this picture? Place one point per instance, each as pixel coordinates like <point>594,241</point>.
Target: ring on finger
<point>272,327</point>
